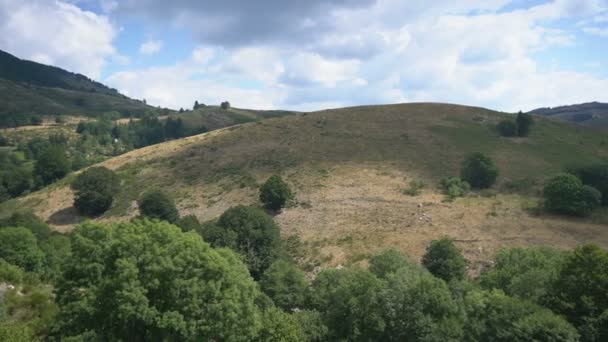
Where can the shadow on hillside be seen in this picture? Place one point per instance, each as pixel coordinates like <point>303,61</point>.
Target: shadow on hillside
<point>64,217</point>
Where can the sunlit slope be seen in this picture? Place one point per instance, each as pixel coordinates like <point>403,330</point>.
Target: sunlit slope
<point>348,167</point>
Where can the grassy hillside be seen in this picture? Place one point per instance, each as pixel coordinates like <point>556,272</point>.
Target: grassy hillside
<point>214,117</point>
<point>592,114</point>
<point>28,88</point>
<point>348,168</point>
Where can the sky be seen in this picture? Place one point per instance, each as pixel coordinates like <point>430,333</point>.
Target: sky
<point>507,55</point>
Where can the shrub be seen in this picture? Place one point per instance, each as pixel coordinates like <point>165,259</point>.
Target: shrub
<point>188,223</point>
<point>91,203</point>
<point>29,220</point>
<point>414,188</point>
<point>284,283</point>
<point>248,231</point>
<point>596,176</point>
<point>274,193</point>
<point>159,205</point>
<point>388,262</point>
<point>444,260</point>
<point>507,128</point>
<point>479,171</point>
<point>566,194</point>
<point>524,122</point>
<point>19,247</point>
<point>95,189</point>
<point>454,187</point>
<point>3,140</point>
<point>225,105</point>
<point>51,165</point>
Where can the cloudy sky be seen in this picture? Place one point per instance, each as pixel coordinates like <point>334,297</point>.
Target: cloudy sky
<point>305,55</point>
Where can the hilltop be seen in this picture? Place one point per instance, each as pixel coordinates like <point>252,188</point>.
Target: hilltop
<point>28,88</point>
<point>348,168</point>
<point>592,114</point>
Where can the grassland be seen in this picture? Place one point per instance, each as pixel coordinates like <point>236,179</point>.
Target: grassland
<point>349,167</point>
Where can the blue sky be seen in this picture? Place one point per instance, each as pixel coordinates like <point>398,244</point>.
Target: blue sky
<point>315,54</point>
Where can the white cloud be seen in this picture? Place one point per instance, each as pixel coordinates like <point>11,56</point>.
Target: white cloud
<point>58,33</point>
<point>598,31</point>
<point>150,47</point>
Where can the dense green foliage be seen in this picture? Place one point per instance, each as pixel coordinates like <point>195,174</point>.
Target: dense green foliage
<point>274,193</point>
<point>565,194</point>
<point>52,164</point>
<point>454,187</point>
<point>159,205</point>
<point>526,273</point>
<point>507,128</point>
<point>444,260</point>
<point>595,175</point>
<point>188,223</point>
<point>19,246</point>
<point>284,283</point>
<point>524,122</point>
<point>579,292</point>
<point>479,171</point>
<point>148,280</point>
<point>94,190</point>
<point>27,220</point>
<point>251,233</point>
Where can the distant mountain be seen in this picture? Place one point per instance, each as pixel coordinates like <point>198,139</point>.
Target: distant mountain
<point>592,114</point>
<point>30,89</point>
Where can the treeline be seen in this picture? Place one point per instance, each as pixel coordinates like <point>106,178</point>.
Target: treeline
<point>171,278</point>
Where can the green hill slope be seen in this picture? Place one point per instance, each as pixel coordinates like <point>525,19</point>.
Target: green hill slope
<point>348,168</point>
<point>28,88</point>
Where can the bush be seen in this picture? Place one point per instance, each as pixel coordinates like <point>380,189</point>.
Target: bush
<point>566,194</point>
<point>29,220</point>
<point>251,233</point>
<point>454,187</point>
<point>479,171</point>
<point>388,262</point>
<point>225,105</point>
<point>188,223</point>
<point>95,189</point>
<point>51,165</point>
<point>507,128</point>
<point>157,204</point>
<point>524,122</point>
<point>274,193</point>
<point>19,247</point>
<point>284,283</point>
<point>414,188</point>
<point>596,176</point>
<point>444,260</point>
<point>3,140</point>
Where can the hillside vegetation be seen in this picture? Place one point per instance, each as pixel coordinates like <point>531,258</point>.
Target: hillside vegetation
<point>592,114</point>
<point>29,89</point>
<point>349,168</point>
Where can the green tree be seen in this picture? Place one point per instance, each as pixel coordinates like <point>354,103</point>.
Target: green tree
<point>444,260</point>
<point>579,293</point>
<point>51,165</point>
<point>29,220</point>
<point>507,128</point>
<point>250,232</point>
<point>595,175</point>
<point>479,171</point>
<point>454,187</point>
<point>274,193</point>
<point>3,140</point>
<point>280,326</point>
<point>494,316</point>
<point>526,273</point>
<point>284,283</point>
<point>312,325</point>
<point>388,262</point>
<point>188,223</point>
<point>19,246</point>
<point>159,205</point>
<point>146,280</point>
<point>348,301</point>
<point>565,194</point>
<point>94,190</point>
<point>524,122</point>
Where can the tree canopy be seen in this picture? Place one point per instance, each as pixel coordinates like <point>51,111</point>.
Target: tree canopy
<point>479,171</point>
<point>274,193</point>
<point>158,204</point>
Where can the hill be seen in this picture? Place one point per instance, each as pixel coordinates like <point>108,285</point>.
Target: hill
<point>348,168</point>
<point>592,114</point>
<point>28,88</point>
